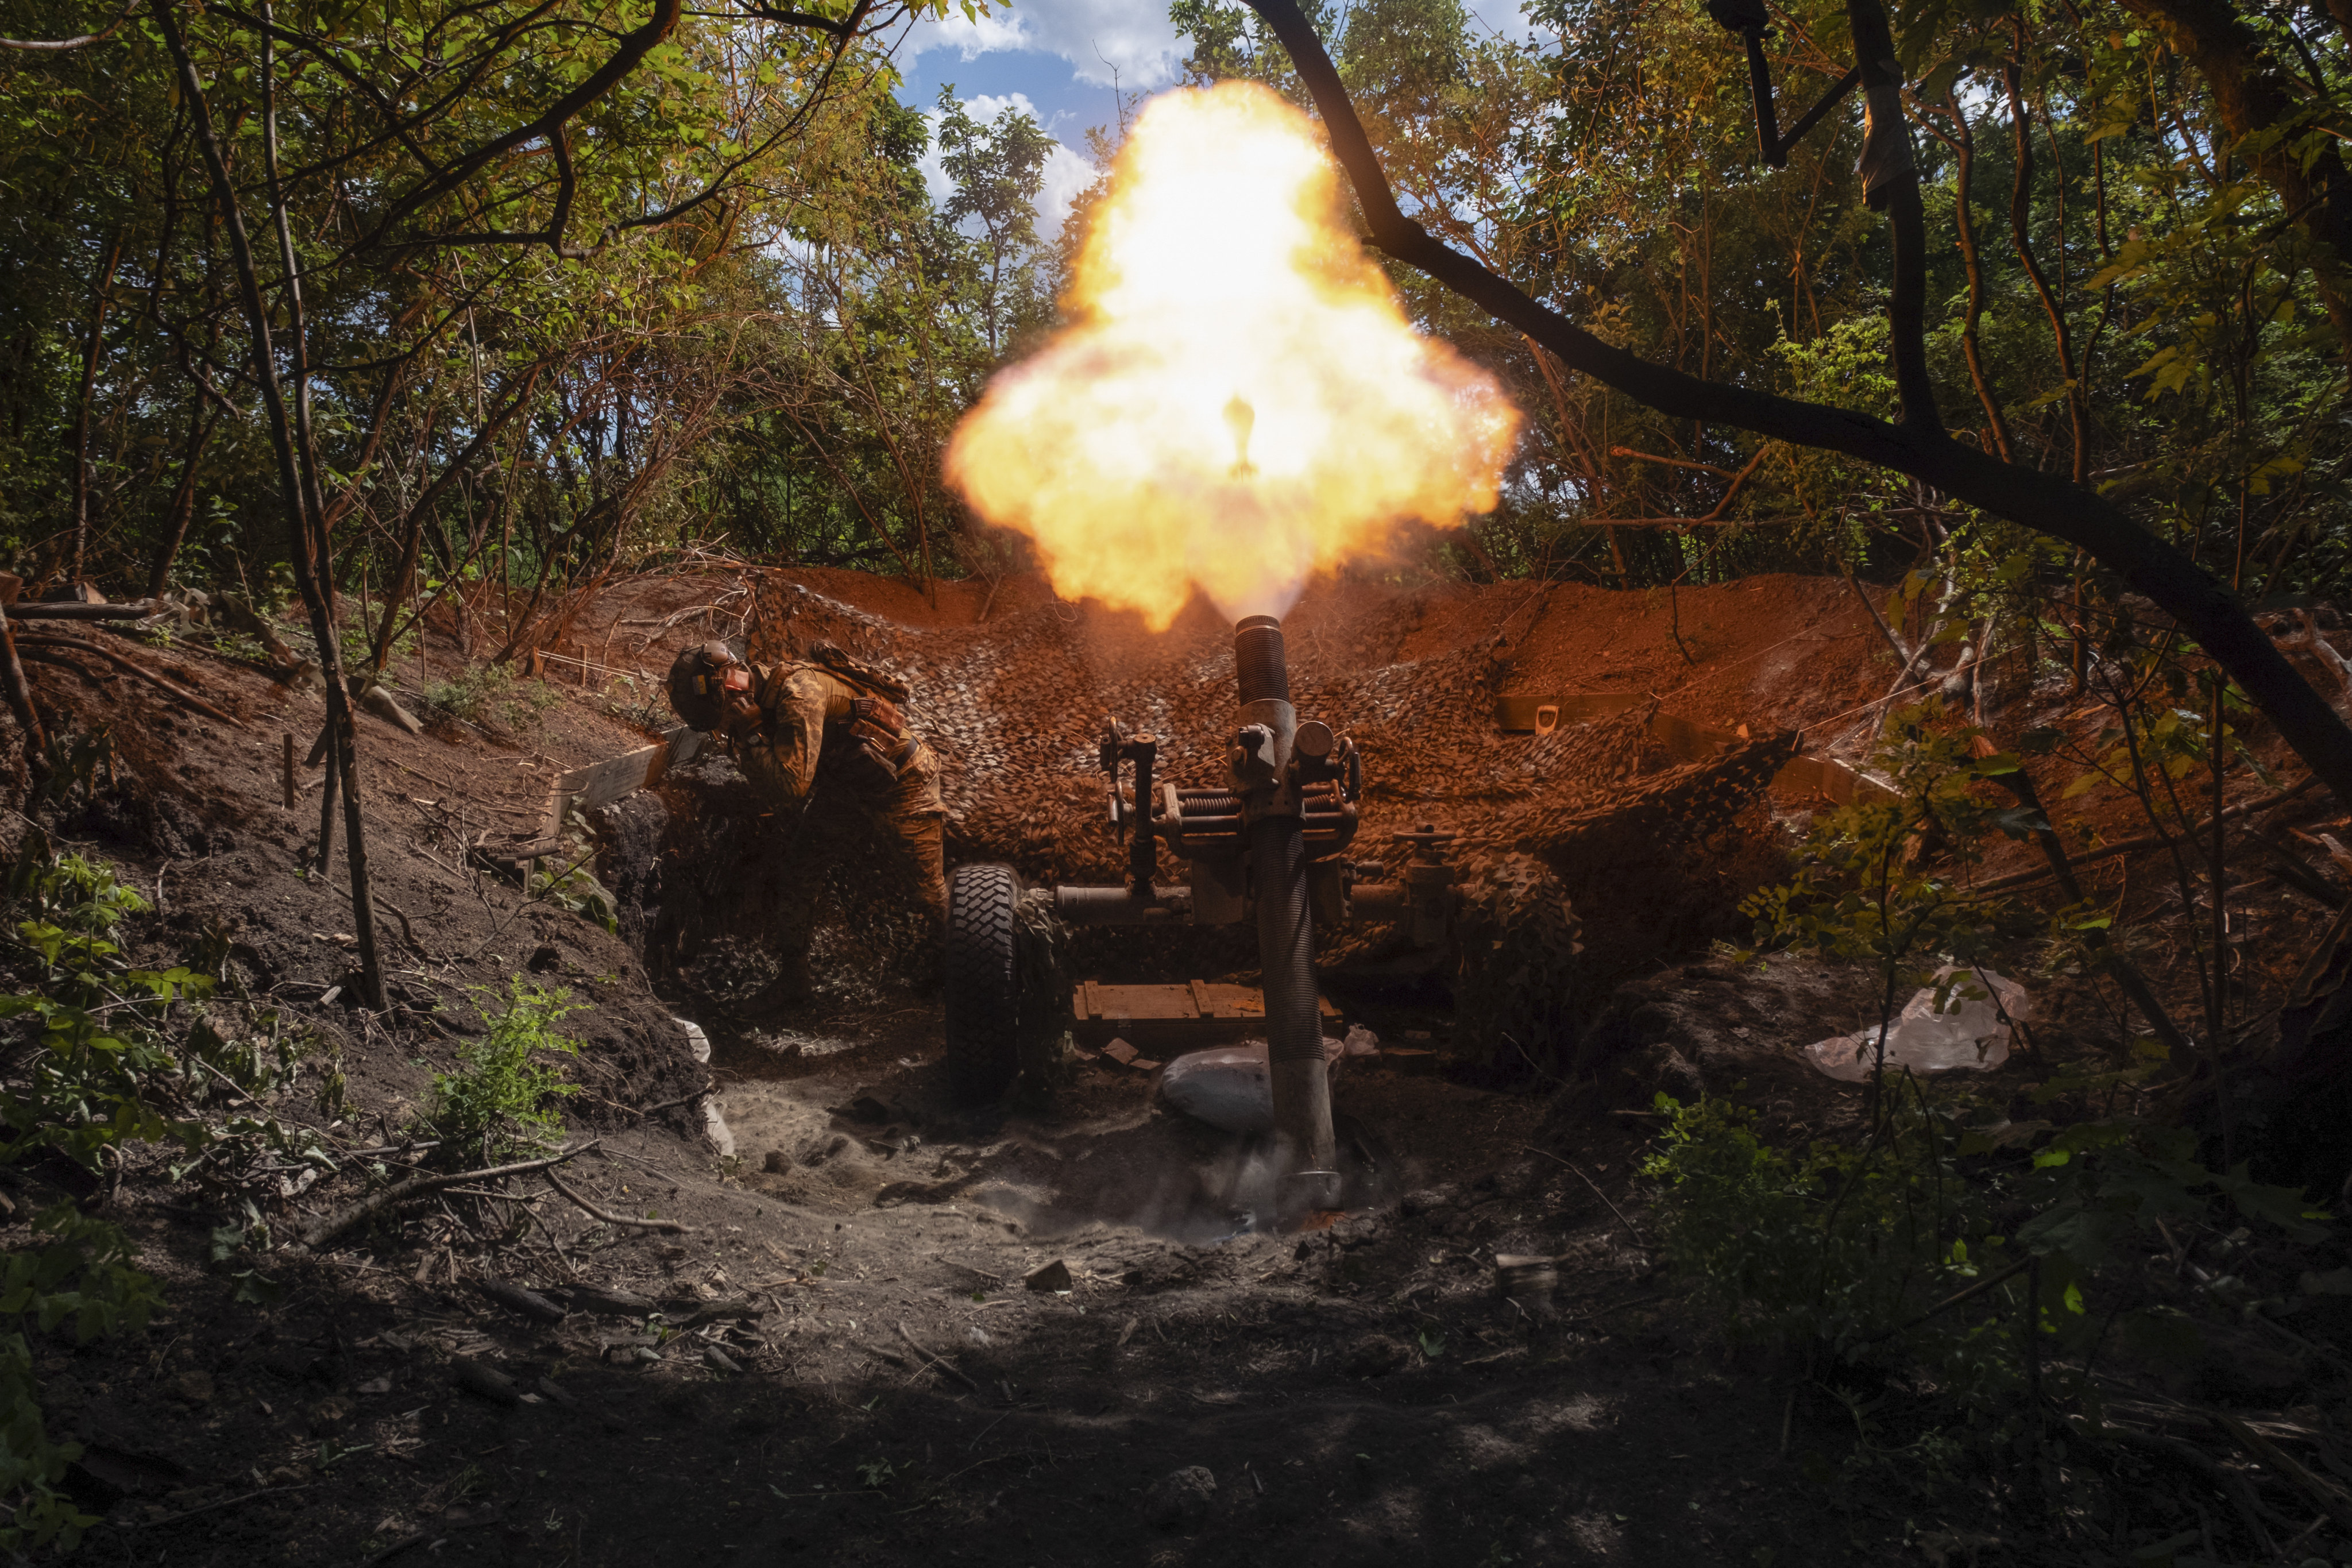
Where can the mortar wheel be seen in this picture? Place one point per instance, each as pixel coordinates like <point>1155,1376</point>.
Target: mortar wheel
<point>983,982</point>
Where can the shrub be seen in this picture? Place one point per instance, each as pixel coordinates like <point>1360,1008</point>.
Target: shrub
<point>80,1275</point>
<point>498,1100</point>
<point>489,694</point>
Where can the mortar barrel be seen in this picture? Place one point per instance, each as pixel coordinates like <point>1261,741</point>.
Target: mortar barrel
<point>1286,939</point>
<point>1258,661</point>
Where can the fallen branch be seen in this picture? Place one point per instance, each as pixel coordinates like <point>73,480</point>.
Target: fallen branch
<point>342,1220</point>
<point>138,609</point>
<point>1630,1229</point>
<point>1948,1303</point>
<point>2330,1499</point>
<point>2150,840</point>
<point>2195,1460</point>
<point>674,1104</point>
<point>936,1361</point>
<point>207,1507</point>
<point>162,683</point>
<point>610,1218</point>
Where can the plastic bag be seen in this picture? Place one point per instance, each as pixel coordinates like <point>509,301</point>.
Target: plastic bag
<point>1969,1035</point>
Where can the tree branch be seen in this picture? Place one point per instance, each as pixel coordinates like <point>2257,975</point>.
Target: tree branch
<point>634,48</point>
<point>66,46</point>
<point>2202,607</point>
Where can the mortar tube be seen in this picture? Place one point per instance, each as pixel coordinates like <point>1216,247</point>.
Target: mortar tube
<point>1300,1082</point>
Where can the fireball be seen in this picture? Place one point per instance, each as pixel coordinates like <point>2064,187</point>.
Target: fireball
<point>1239,400</point>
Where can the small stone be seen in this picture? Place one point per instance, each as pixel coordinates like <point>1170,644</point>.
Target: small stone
<point>1182,1499</point>
<point>718,1360</point>
<point>1054,1275</point>
<point>196,1387</point>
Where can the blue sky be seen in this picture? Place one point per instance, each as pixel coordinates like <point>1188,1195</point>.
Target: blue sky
<point>1058,60</point>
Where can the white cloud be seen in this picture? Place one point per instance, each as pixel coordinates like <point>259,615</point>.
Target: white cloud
<point>1066,172</point>
<point>1103,41</point>
<point>1066,176</point>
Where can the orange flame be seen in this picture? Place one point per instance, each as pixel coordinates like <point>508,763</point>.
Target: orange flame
<point>1239,400</point>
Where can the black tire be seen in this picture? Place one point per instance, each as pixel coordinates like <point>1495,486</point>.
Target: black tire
<point>983,983</point>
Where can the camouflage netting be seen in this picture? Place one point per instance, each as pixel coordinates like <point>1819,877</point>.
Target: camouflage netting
<point>1517,1005</point>
<point>1654,855</point>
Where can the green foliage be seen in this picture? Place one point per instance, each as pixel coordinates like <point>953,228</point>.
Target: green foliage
<point>79,1276</point>
<point>490,694</point>
<point>497,1102</point>
<point>573,887</point>
<point>1825,1244</point>
<point>1883,880</point>
<point>1855,1254</point>
<point>98,1055</point>
<point>107,1063</point>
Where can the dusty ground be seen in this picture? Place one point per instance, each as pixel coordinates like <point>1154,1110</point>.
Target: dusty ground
<point>1359,1394</point>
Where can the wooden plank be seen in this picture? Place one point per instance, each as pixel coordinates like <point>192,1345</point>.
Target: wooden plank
<point>1146,1001</point>
<point>1818,775</point>
<point>1236,1000</point>
<point>603,782</point>
<point>600,784</point>
<point>1688,742</point>
<point>1173,1018</point>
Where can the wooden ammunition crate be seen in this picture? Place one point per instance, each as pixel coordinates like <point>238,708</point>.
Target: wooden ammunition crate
<point>1164,1019</point>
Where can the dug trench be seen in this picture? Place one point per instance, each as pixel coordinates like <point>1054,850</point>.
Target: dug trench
<point>828,1313</point>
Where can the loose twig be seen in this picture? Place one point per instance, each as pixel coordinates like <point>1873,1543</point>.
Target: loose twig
<point>162,683</point>
<point>1630,1229</point>
<point>938,1362</point>
<point>1979,1289</point>
<point>610,1219</point>
<point>2330,1499</point>
<point>342,1220</point>
<point>207,1507</point>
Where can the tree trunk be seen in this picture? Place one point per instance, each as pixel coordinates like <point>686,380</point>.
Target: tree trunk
<point>413,530</point>
<point>183,500</point>
<point>97,302</point>
<point>303,515</point>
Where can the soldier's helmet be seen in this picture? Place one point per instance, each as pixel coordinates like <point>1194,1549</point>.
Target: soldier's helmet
<point>696,679</point>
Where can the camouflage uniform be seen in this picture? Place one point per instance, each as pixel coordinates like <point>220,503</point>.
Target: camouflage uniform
<point>817,724</point>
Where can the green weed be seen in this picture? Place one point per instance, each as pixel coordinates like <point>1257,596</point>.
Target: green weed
<point>80,1275</point>
<point>497,1101</point>
<point>490,696</point>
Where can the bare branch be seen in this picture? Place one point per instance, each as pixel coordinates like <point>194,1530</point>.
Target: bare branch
<point>67,46</point>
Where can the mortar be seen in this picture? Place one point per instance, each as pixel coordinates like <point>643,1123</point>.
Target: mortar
<point>1269,846</point>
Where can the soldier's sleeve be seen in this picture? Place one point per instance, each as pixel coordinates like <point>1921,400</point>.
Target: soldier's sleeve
<point>797,704</point>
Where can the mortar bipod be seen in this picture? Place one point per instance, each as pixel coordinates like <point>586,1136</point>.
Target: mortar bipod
<point>1143,847</point>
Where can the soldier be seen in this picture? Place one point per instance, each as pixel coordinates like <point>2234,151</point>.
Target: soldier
<point>824,720</point>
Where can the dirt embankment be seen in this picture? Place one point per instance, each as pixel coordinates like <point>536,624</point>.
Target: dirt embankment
<point>847,1366</point>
